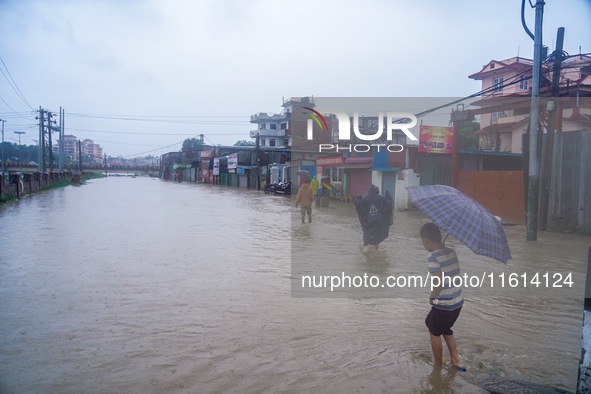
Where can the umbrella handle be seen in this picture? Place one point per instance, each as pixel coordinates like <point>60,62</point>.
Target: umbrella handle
<point>443,243</point>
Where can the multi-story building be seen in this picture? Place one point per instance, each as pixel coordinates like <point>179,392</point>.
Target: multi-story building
<point>506,100</point>
<point>273,130</point>
<point>89,149</point>
<point>71,146</point>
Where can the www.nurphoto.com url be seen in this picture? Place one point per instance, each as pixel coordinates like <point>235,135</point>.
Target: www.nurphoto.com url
<point>343,281</point>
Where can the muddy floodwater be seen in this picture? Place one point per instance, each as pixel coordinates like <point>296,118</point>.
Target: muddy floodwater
<point>136,285</point>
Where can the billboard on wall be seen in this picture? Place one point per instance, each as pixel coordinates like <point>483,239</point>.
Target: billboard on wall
<point>216,166</point>
<point>327,162</point>
<point>232,162</point>
<point>436,139</point>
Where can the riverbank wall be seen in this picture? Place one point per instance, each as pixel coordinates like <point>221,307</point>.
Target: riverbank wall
<point>16,185</point>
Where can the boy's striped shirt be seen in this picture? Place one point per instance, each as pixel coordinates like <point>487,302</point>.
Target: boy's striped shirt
<point>446,261</point>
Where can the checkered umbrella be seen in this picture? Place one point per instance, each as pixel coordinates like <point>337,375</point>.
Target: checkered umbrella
<point>465,219</point>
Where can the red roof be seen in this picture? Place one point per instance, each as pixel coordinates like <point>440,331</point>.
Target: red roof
<point>521,64</point>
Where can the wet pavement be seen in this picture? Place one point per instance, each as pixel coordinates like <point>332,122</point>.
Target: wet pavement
<point>141,285</point>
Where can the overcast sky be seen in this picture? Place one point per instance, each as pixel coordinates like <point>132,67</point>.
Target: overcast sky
<point>203,67</point>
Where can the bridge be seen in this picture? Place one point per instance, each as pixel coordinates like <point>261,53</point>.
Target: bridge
<point>110,169</point>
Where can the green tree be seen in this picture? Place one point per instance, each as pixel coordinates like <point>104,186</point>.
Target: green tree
<point>192,143</point>
<point>467,140</point>
<point>244,143</point>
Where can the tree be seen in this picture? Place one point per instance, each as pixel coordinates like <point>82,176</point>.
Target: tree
<point>244,143</point>
<point>192,143</point>
<point>467,140</point>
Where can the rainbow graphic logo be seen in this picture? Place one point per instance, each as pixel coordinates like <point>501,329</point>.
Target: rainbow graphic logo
<point>315,115</point>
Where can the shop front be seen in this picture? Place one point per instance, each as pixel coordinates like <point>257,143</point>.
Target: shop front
<point>357,175</point>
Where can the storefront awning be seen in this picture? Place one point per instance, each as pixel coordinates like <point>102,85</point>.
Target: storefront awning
<point>385,169</point>
<point>356,166</point>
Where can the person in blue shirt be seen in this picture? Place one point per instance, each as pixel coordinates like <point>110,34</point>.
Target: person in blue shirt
<point>446,300</point>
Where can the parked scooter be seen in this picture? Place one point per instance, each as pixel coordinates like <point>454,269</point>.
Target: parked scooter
<point>281,188</point>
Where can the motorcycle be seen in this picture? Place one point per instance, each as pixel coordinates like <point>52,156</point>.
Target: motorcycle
<point>281,188</point>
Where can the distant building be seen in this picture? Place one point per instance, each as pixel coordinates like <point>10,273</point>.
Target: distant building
<point>89,149</point>
<point>71,146</point>
<point>273,130</point>
<point>506,100</point>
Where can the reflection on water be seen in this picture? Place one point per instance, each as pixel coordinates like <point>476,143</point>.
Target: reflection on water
<point>139,285</point>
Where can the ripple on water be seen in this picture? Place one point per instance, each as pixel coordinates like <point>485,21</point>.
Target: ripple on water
<point>135,285</point>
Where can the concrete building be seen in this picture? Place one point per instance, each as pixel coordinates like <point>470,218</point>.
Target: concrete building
<point>506,99</point>
<point>89,149</point>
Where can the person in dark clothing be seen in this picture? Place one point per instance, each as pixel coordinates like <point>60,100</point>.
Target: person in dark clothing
<point>375,215</point>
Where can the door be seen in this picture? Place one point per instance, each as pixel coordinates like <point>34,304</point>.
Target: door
<point>388,183</point>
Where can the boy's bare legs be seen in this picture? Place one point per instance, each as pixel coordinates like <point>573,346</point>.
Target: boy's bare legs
<point>450,340</point>
<point>437,348</point>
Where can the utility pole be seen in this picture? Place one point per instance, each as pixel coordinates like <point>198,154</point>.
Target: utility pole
<point>105,164</point>
<point>553,126</point>
<point>50,132</point>
<point>80,156</point>
<point>20,150</point>
<point>2,120</point>
<point>41,162</point>
<point>258,146</point>
<point>534,167</point>
<point>60,166</point>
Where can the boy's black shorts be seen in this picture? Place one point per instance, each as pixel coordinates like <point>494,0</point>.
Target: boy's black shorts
<point>439,321</point>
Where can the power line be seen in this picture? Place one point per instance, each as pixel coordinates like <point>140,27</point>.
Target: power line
<point>12,108</point>
<point>175,119</point>
<point>144,133</point>
<point>17,90</point>
<point>154,150</point>
<point>159,116</point>
<point>123,143</point>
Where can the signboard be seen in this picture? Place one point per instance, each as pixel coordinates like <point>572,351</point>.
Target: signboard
<point>232,161</point>
<point>241,170</point>
<point>436,139</point>
<point>327,162</point>
<point>216,166</point>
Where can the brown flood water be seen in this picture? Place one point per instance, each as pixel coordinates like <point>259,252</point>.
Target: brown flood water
<point>144,286</point>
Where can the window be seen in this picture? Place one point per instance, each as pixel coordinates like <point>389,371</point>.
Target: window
<point>272,142</point>
<point>498,85</point>
<point>283,126</point>
<point>286,142</point>
<point>496,115</point>
<point>523,83</point>
<point>273,126</point>
<point>336,174</point>
<point>262,142</point>
<point>263,126</point>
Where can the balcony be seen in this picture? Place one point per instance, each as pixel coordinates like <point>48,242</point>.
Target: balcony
<point>267,133</point>
<point>264,117</point>
<point>511,119</point>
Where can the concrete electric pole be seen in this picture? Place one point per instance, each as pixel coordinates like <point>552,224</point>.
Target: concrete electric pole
<point>534,160</point>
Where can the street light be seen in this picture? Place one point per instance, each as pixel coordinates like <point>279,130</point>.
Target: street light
<point>19,148</point>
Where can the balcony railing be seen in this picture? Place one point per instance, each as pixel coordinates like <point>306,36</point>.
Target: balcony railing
<point>266,117</point>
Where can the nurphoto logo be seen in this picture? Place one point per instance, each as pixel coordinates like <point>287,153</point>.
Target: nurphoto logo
<point>394,121</point>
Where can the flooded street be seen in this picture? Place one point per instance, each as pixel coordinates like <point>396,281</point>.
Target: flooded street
<point>145,286</point>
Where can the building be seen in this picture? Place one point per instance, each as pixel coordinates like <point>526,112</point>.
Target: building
<point>273,130</point>
<point>89,149</point>
<point>506,100</point>
<point>71,146</point>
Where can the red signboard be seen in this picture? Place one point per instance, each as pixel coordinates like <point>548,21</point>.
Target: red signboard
<point>329,161</point>
<point>436,139</point>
